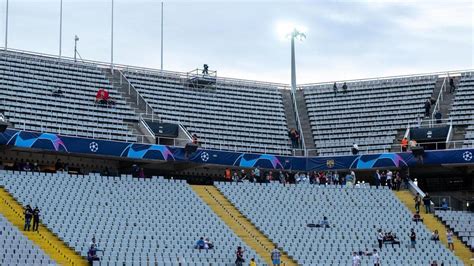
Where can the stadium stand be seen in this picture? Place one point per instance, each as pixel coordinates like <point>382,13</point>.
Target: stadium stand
<point>232,115</point>
<point>369,114</point>
<point>461,222</point>
<point>462,112</point>
<point>283,213</point>
<point>134,221</point>
<point>17,249</point>
<point>28,81</point>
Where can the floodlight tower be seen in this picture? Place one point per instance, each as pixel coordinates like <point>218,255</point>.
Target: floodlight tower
<point>295,34</point>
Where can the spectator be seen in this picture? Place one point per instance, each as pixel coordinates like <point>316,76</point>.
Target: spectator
<point>335,178</point>
<point>377,178</point>
<point>295,137</point>
<point>252,262</point>
<point>349,179</point>
<point>438,116</point>
<point>383,178</point>
<point>344,88</point>
<point>404,144</point>
<point>389,179</point>
<point>334,87</point>
<point>103,97</point>
<point>449,237</point>
<point>398,181</point>
<point>228,174</point>
<point>59,166</point>
<point>355,149</point>
<point>276,256</point>
<point>141,174</point>
<point>435,236</point>
<point>324,223</point>
<point>36,216</point>
<point>208,243</point>
<point>194,138</point>
<point>236,177</point>
<point>434,263</point>
<point>256,172</point>
<point>57,92</point>
<point>427,107</point>
<point>427,203</point>
<point>282,177</point>
<point>240,257</point>
<point>444,205</point>
<point>28,216</point>
<point>417,218</point>
<point>417,200</point>
<point>200,244</point>
<point>380,238</point>
<point>376,258</point>
<point>452,87</point>
<point>412,236</point>
<point>92,255</point>
<point>355,259</point>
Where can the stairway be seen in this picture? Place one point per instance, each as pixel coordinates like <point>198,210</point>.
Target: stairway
<point>305,124</point>
<point>136,102</point>
<point>446,99</point>
<point>241,226</point>
<point>432,223</point>
<point>51,244</point>
<point>289,108</point>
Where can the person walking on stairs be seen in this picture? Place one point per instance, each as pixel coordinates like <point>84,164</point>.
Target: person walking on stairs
<point>276,256</point>
<point>449,237</point>
<point>28,216</point>
<point>36,218</point>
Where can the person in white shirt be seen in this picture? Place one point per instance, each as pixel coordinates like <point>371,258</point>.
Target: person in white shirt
<point>389,179</point>
<point>376,258</point>
<point>356,259</point>
<point>355,149</point>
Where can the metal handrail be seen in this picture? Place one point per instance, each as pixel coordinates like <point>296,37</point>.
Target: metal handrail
<point>439,98</point>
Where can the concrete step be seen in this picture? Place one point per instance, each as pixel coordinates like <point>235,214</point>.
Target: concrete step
<point>304,119</point>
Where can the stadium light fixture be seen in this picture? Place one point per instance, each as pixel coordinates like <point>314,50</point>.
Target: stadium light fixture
<point>76,39</point>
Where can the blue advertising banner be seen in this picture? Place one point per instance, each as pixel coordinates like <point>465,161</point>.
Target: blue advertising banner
<point>67,144</point>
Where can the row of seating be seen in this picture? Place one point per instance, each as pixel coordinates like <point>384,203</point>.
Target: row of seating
<point>283,213</point>
<point>17,249</point>
<point>133,220</point>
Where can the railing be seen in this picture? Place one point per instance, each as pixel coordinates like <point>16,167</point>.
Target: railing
<point>138,95</point>
<point>439,98</point>
<point>303,144</point>
<point>398,148</point>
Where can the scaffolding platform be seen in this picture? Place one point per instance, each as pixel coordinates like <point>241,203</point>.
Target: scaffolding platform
<point>199,79</point>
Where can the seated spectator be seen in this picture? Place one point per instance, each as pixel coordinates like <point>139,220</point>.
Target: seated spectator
<point>355,149</point>
<point>252,262</point>
<point>444,205</point>
<point>435,236</point>
<point>57,92</point>
<point>391,238</point>
<point>416,217</point>
<point>208,244</point>
<point>103,97</point>
<point>200,244</point>
<point>434,263</point>
<point>324,223</point>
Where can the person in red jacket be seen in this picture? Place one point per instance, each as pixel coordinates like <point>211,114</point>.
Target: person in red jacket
<point>103,97</point>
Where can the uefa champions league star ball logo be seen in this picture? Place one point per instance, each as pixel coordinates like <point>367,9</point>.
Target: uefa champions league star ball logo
<point>94,147</point>
<point>204,156</point>
<point>467,156</point>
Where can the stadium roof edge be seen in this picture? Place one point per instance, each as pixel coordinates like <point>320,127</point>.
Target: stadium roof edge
<point>228,79</point>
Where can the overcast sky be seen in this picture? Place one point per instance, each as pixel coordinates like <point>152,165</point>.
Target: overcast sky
<point>345,39</point>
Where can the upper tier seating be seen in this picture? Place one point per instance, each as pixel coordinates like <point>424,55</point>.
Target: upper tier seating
<point>234,115</point>
<point>17,249</point>
<point>355,214</point>
<point>462,223</point>
<point>27,83</point>
<point>369,114</point>
<point>135,221</point>
<point>462,112</point>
